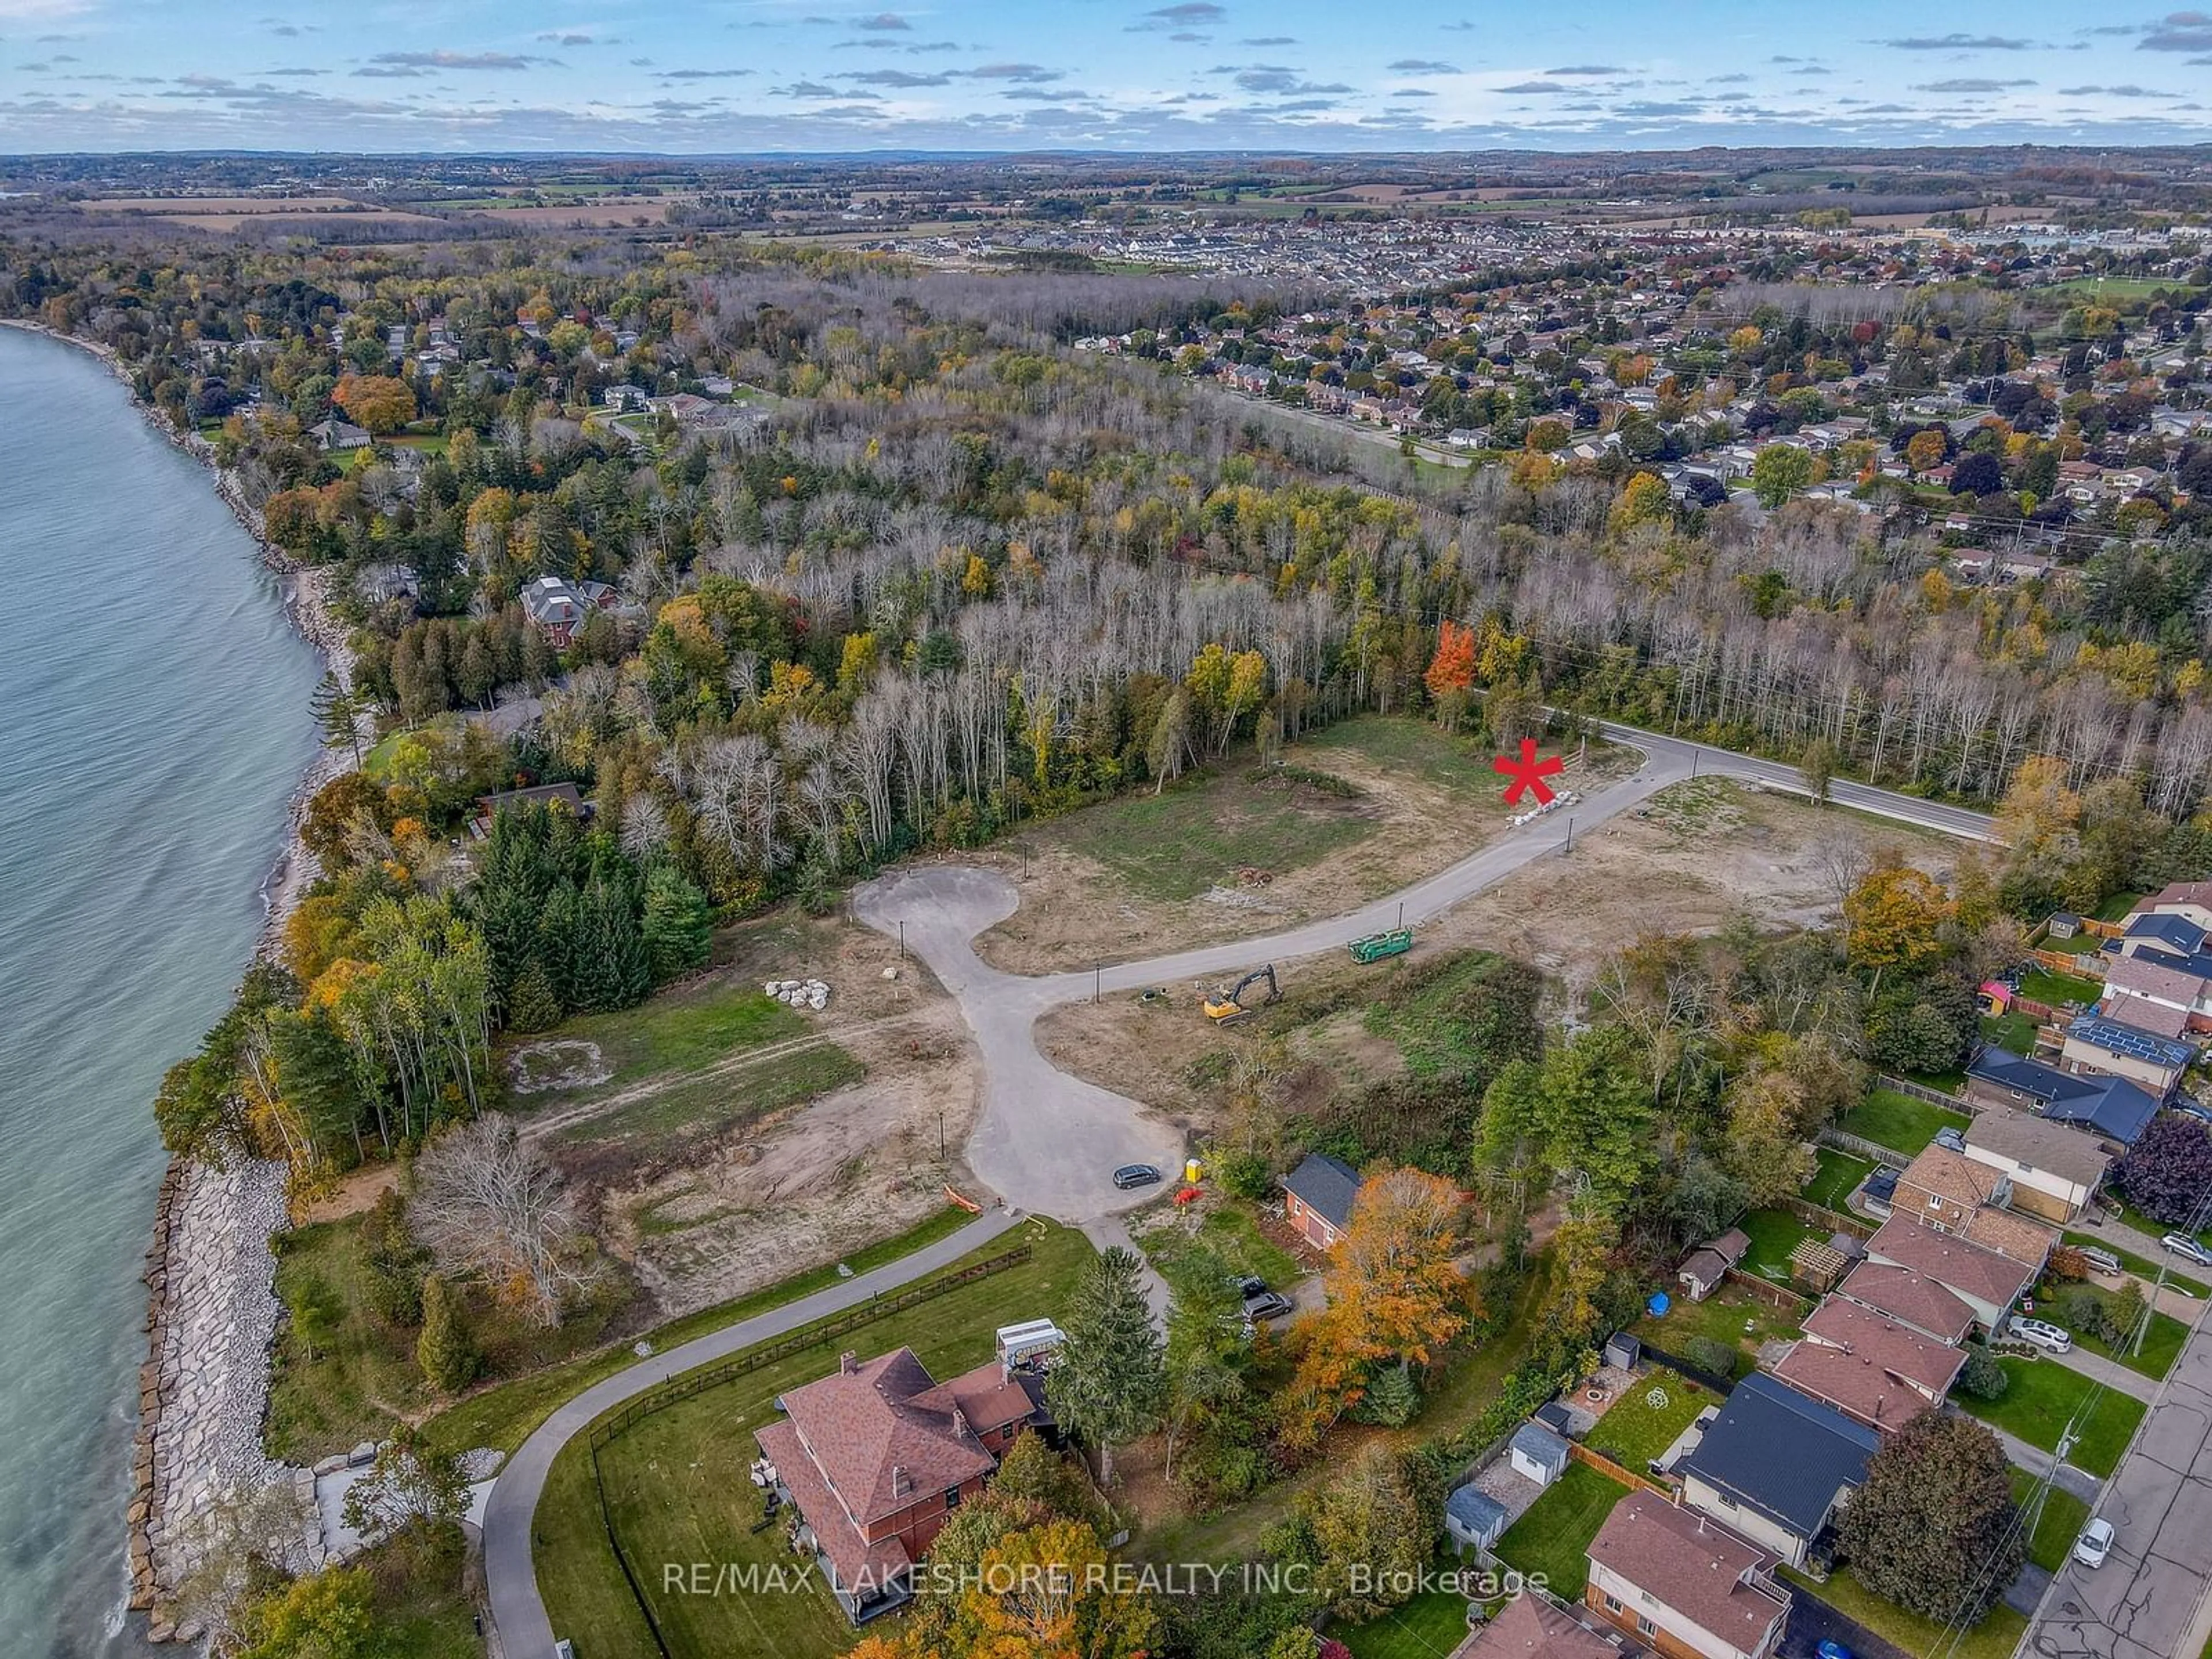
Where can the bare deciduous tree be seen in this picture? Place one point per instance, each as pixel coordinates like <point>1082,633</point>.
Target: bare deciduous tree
<point>487,1203</point>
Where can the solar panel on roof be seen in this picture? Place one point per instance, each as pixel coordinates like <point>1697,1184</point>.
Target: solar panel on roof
<point>2126,1041</point>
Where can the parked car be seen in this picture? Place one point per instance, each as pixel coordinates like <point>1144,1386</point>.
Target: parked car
<point>1135,1175</point>
<point>1259,1302</point>
<point>2185,1246</point>
<point>2100,1258</point>
<point>1951,1140</point>
<point>1832,1649</point>
<point>2094,1544</point>
<point>2053,1338</point>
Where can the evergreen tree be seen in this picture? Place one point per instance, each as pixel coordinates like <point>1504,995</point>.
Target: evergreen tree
<point>678,926</point>
<point>444,1351</point>
<point>337,712</point>
<point>1107,1386</point>
<point>533,1005</point>
<point>316,1071</point>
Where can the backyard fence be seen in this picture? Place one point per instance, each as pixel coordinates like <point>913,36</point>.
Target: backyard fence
<point>1922,1091</point>
<point>1836,1221</point>
<point>1617,1473</point>
<point>1723,1386</point>
<point>1776,1296</point>
<point>1860,1146</point>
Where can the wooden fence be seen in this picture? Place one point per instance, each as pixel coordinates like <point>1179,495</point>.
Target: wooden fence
<point>1612,1471</point>
<point>1860,1146</point>
<point>1836,1221</point>
<point>1775,1295</point>
<point>1922,1091</point>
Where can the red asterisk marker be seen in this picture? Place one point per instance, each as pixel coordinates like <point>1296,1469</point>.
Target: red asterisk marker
<point>1528,773</point>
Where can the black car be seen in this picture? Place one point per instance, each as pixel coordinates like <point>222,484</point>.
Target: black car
<point>1135,1175</point>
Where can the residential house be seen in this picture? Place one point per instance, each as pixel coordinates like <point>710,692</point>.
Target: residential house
<point>2168,1002</point>
<point>1776,1465</point>
<point>560,608</point>
<point>560,796</point>
<point>2110,1107</point>
<point>1910,1299</point>
<point>1529,1627</point>
<point>877,1454</point>
<point>1965,1196</point>
<point>335,437</point>
<point>1986,1280</point>
<point>2105,1047</point>
<point>1537,1454</point>
<point>1703,1270</point>
<point>1869,1367</point>
<point>1683,1584</point>
<point>625,399</point>
<point>2053,1169</point>
<point>1317,1198</point>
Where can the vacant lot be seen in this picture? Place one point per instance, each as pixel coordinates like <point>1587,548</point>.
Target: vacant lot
<point>1355,811</point>
<point>677,1488</point>
<point>726,1137</point>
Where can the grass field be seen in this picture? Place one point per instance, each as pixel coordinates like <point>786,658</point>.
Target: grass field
<point>681,1030</point>
<point>1429,1626</point>
<point>2056,990</point>
<point>2064,1514</point>
<point>1995,1638</point>
<point>712,1103</point>
<point>1899,1121</point>
<point>1553,1536</point>
<point>2042,1399</point>
<point>505,1416</point>
<point>677,1488</point>
<point>2162,1342</point>
<point>357,1374</point>
<point>1773,1234</point>
<point>1837,1179</point>
<point>1633,1431</point>
<point>2013,1031</point>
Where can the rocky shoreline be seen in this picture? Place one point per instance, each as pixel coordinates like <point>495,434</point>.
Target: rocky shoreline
<point>212,1311</point>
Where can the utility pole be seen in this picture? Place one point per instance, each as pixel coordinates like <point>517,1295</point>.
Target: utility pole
<point>1570,836</point>
<point>1098,983</point>
<point>902,941</point>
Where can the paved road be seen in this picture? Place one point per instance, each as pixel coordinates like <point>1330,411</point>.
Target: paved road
<point>2148,1600</point>
<point>524,1631</point>
<point>1048,1142</point>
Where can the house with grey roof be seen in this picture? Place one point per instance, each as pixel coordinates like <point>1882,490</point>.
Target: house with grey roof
<point>1317,1198</point>
<point>1776,1466</point>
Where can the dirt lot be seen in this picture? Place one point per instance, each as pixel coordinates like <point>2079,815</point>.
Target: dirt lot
<point>706,1195</point>
<point>1223,859</point>
<point>1697,853</point>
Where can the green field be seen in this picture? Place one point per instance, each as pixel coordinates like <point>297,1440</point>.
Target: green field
<point>505,1416</point>
<point>1837,1179</point>
<point>1995,1638</point>
<point>1899,1121</point>
<point>1554,1537</point>
<point>677,1488</point>
<point>2042,1399</point>
<point>1634,1431</point>
<point>683,1029</point>
<point>1721,1317</point>
<point>2057,990</point>
<point>709,1104</point>
<point>2012,1030</point>
<point>1227,1230</point>
<point>2063,1516</point>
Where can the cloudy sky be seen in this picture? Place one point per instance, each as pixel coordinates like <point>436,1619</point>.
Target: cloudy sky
<point>738,75</point>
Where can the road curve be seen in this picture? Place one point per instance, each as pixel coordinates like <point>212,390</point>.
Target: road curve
<point>524,1629</point>
<point>1046,1142</point>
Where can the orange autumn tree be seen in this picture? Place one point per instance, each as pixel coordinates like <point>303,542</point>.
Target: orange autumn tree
<point>1396,1297</point>
<point>1451,672</point>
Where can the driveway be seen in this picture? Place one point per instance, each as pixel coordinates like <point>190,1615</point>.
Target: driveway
<point>2110,1372</point>
<point>1813,1621</point>
<point>2148,1600</point>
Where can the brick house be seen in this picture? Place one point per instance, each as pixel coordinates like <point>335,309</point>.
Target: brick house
<point>1682,1584</point>
<point>1317,1198</point>
<point>877,1454</point>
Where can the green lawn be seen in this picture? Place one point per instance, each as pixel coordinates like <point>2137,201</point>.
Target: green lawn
<point>1837,1179</point>
<point>2162,1342</point>
<point>1634,1431</point>
<point>1554,1537</point>
<point>2116,908</point>
<point>506,1415</point>
<point>708,1105</point>
<point>1429,1626</point>
<point>677,1490</point>
<point>2142,1269</point>
<point>2012,1030</point>
<point>1899,1121</point>
<point>1227,1230</point>
<point>2064,1514</point>
<point>1414,747</point>
<point>2043,1396</point>
<point>1773,1234</point>
<point>358,1376</point>
<point>2057,990</point>
<point>1721,1317</point>
<point>1995,1638</point>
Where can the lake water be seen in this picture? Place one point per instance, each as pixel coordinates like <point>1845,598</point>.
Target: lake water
<point>153,722</point>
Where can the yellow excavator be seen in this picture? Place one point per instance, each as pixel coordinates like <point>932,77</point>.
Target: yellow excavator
<point>1229,1004</point>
